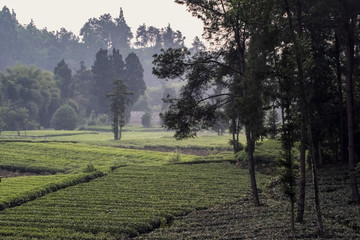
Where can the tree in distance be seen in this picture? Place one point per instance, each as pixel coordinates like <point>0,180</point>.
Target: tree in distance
<point>146,120</point>
<point>119,98</point>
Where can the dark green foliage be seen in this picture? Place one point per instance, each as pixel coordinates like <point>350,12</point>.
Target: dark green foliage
<point>14,117</point>
<point>64,118</point>
<point>109,67</point>
<point>104,32</point>
<point>134,76</point>
<point>272,123</point>
<point>64,80</point>
<point>104,75</point>
<point>33,89</point>
<point>8,38</point>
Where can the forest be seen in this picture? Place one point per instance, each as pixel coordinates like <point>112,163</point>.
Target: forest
<point>280,78</point>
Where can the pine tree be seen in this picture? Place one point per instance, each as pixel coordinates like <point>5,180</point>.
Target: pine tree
<point>119,103</point>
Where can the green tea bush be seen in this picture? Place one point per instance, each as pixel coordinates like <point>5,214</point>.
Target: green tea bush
<point>89,168</point>
<point>126,202</point>
<point>266,155</point>
<point>64,118</point>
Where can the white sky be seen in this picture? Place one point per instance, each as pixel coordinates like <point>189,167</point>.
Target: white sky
<point>73,14</point>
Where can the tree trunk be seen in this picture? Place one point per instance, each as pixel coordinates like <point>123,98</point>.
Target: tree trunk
<point>316,184</point>
<point>250,155</point>
<point>120,132</point>
<point>296,37</point>
<point>234,135</point>
<point>349,53</point>
<point>116,127</point>
<point>340,96</point>
<point>302,168</point>
<point>292,217</point>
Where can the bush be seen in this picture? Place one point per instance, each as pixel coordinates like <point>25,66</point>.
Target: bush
<point>64,118</point>
<point>146,120</point>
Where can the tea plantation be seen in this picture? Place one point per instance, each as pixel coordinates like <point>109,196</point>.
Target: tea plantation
<point>92,191</point>
<point>87,187</point>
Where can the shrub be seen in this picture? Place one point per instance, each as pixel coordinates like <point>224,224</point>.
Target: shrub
<point>146,120</point>
<point>89,168</point>
<point>64,118</point>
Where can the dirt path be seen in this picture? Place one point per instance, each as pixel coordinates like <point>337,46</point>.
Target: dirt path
<point>9,174</point>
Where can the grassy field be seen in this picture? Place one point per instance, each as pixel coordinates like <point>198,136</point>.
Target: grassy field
<point>133,137</point>
<point>89,187</point>
<point>140,191</point>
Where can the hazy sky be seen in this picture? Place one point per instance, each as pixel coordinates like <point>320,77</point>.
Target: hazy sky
<point>72,14</point>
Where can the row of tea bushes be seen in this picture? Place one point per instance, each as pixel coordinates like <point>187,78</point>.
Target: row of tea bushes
<point>53,157</point>
<point>131,200</point>
<point>16,191</point>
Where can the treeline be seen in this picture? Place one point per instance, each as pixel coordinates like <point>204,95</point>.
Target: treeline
<point>297,59</point>
<point>45,70</point>
<point>26,44</point>
<point>31,97</point>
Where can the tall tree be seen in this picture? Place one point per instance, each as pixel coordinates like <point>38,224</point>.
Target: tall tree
<point>134,76</point>
<point>227,26</point>
<point>122,35</point>
<point>119,102</point>
<point>350,10</point>
<point>8,38</point>
<point>64,79</point>
<point>197,46</point>
<point>82,84</point>
<point>103,71</point>
<point>148,37</point>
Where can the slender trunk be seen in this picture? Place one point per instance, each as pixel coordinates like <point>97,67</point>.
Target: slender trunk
<point>292,217</point>
<point>296,37</point>
<point>234,135</point>
<point>302,168</point>
<point>250,156</point>
<point>120,132</point>
<point>121,125</point>
<point>321,160</point>
<point>237,134</point>
<point>349,53</point>
<point>316,185</point>
<point>340,96</point>
<point>116,127</point>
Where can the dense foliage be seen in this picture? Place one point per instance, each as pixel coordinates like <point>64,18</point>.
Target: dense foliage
<point>83,72</point>
<point>64,118</point>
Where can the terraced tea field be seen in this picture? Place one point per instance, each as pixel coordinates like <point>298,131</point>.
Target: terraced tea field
<point>99,192</point>
<point>90,188</point>
<point>128,201</point>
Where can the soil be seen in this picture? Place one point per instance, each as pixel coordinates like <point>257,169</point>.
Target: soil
<point>9,174</point>
<point>190,151</point>
<point>197,152</point>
